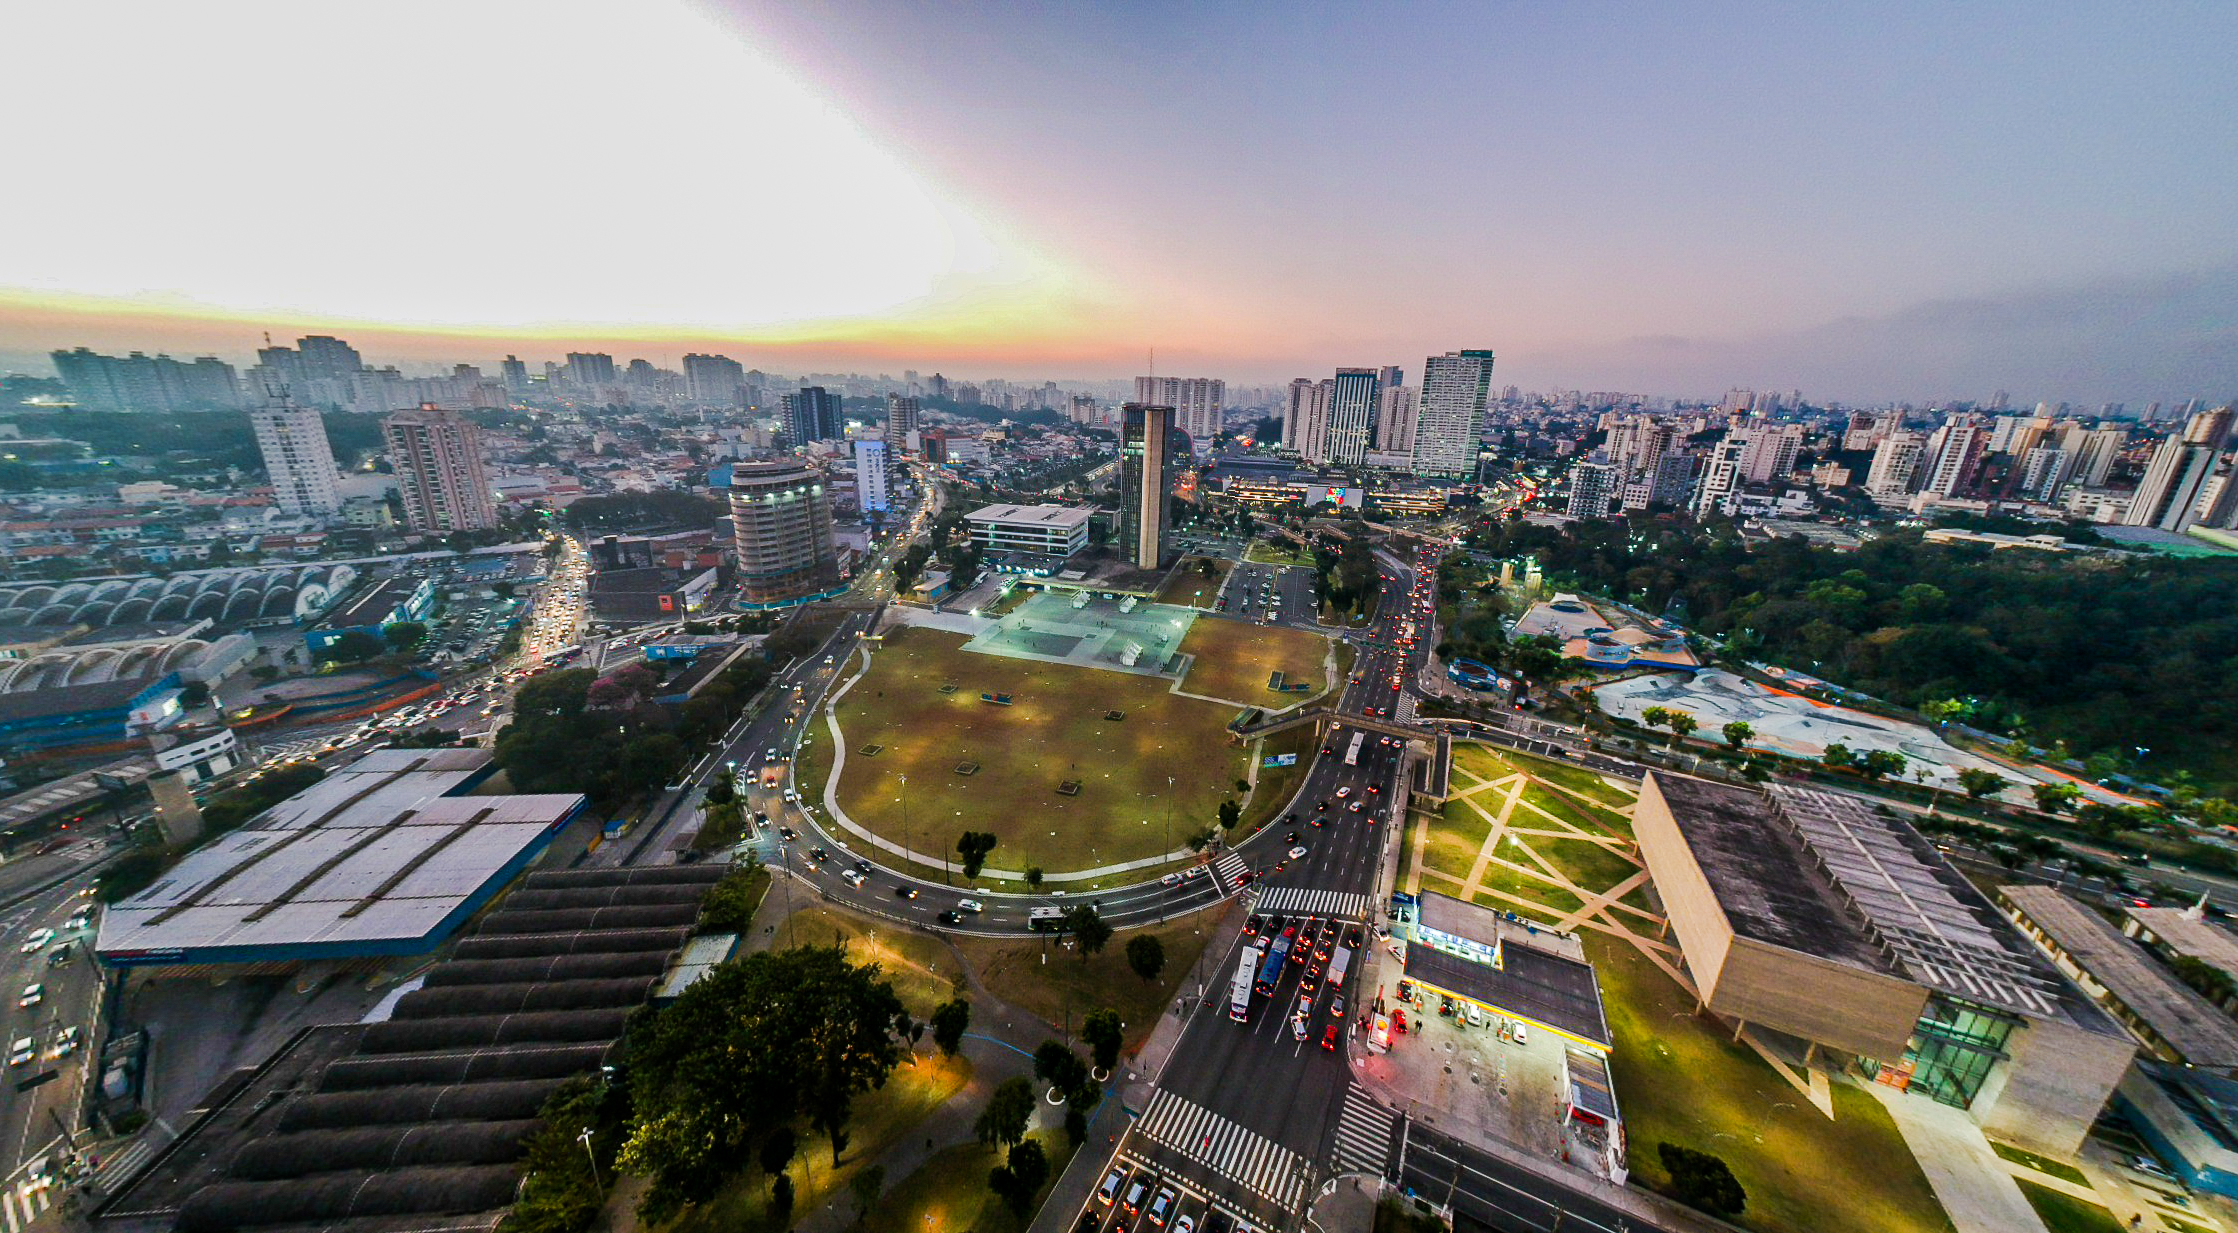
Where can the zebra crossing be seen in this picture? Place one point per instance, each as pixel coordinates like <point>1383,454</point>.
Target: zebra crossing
<point>33,1198</point>
<point>1228,868</point>
<point>1345,905</point>
<point>1363,1138</point>
<point>1259,1164</point>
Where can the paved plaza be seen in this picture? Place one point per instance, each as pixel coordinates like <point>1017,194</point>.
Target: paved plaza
<point>1047,627</point>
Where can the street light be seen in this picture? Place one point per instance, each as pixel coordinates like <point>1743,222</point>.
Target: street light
<point>585,1139</point>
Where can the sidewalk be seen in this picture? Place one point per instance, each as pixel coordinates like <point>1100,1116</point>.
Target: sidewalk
<point>1970,1181</point>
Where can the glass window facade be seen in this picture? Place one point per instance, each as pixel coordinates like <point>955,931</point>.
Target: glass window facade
<point>1955,1045</point>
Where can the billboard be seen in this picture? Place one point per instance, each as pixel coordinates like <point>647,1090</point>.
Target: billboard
<point>1279,760</point>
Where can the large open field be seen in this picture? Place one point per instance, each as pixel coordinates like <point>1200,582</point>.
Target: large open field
<point>1054,731</point>
<point>1562,837</point>
<point>1190,586</point>
<point>1235,659</point>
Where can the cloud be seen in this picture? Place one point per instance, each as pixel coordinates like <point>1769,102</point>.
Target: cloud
<point>2118,340</point>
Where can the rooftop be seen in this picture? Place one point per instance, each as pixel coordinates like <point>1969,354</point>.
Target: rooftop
<point>1544,988</point>
<point>1062,517</point>
<point>2185,934</point>
<point>372,607</point>
<point>2194,1027</point>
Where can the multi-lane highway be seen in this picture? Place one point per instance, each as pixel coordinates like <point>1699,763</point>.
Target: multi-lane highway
<point>49,989</point>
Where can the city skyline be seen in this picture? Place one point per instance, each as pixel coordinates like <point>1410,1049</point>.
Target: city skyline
<point>1917,205</point>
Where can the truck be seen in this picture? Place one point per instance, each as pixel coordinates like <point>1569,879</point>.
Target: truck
<point>1239,990</point>
<point>1337,965</point>
<point>1270,969</point>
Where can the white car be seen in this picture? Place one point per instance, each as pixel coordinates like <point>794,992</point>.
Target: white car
<point>1171,879</point>
<point>1344,791</point>
<point>32,996</point>
<point>1295,853</point>
<point>23,1050</point>
<point>36,940</point>
<point>853,877</point>
<point>66,1042</point>
<point>970,905</point>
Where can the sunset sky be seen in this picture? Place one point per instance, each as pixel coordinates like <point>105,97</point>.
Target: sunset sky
<point>1865,201</point>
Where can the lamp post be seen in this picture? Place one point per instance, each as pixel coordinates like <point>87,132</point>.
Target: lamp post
<point>585,1139</point>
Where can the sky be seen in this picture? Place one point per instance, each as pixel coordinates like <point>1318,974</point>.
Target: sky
<point>1863,201</point>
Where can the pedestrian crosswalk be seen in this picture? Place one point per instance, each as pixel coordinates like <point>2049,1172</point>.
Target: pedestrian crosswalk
<point>24,1202</point>
<point>1345,905</point>
<point>1259,1164</point>
<point>1363,1139</point>
<point>118,1169</point>
<point>1229,867</point>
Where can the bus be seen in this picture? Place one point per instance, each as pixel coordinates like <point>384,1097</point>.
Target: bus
<point>1352,754</point>
<point>1239,991</point>
<point>1270,971</point>
<point>1045,920</point>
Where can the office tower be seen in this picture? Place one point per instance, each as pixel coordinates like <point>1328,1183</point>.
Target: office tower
<point>322,356</point>
<point>1956,448</point>
<point>297,457</point>
<point>1451,415</point>
<point>1721,475</point>
<point>811,413</point>
<point>1896,464</point>
<point>1390,375</point>
<point>514,373</point>
<point>901,423</point>
<point>1771,451</point>
<point>1196,402</point>
<point>1303,415</point>
<point>1592,487</point>
<point>2168,496</point>
<point>138,382</point>
<point>780,517</point>
<point>590,368</point>
<point>1351,417</point>
<point>1152,451</point>
<point>1396,418</point>
<point>713,379</point>
<point>437,455</point>
<point>871,487</point>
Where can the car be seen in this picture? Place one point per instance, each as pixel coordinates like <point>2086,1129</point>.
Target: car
<point>1353,806</point>
<point>21,1051</point>
<point>853,877</point>
<point>1171,879</point>
<point>1187,1224</point>
<point>1320,821</point>
<point>786,832</point>
<point>33,994</point>
<point>1292,837</point>
<point>1108,1193</point>
<point>1252,926</point>
<point>1329,1037</point>
<point>1344,791</point>
<point>66,1042</point>
<point>1090,1221</point>
<point>905,891</point>
<point>1304,1008</point>
<point>970,905</point>
<point>863,866</point>
<point>1295,853</point>
<point>950,918</point>
<point>59,957</point>
<point>1137,1191</point>
<point>1298,1028</point>
<point>1336,1007</point>
<point>36,941</point>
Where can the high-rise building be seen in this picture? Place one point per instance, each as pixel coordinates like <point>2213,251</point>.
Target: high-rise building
<point>1593,486</point>
<point>325,357</point>
<point>871,475</point>
<point>1196,401</point>
<point>590,368</point>
<point>713,379</point>
<point>514,373</point>
<point>1957,448</point>
<point>2042,472</point>
<point>811,414</point>
<point>138,382</point>
<point>297,457</point>
<point>780,515</point>
<point>1771,451</point>
<point>1721,475</point>
<point>901,423</point>
<point>1353,403</point>
<point>1451,418</point>
<point>1896,462</point>
<point>1305,419</point>
<point>2168,496</point>
<point>437,455</point>
<point>1396,418</point>
<point>1152,451</point>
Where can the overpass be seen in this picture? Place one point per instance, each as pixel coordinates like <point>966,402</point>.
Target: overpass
<point>1430,783</point>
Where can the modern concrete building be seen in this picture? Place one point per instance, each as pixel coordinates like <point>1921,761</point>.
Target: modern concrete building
<point>1152,451</point>
<point>901,425</point>
<point>1592,489</point>
<point>873,491</point>
<point>1896,462</point>
<point>297,456</point>
<point>1051,530</point>
<point>1196,401</point>
<point>438,459</point>
<point>714,379</point>
<point>780,516</point>
<point>1451,415</point>
<point>1807,914</point>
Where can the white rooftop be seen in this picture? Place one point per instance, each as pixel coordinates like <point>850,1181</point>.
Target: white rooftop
<point>1061,516</point>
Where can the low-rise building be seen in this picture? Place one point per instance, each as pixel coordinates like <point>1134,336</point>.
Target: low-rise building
<point>1045,530</point>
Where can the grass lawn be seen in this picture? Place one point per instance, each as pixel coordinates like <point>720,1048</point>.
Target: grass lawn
<point>2064,1213</point>
<point>1584,863</point>
<point>1260,552</point>
<point>1191,588</point>
<point>1234,660</point>
<point>1454,840</point>
<point>2022,1156</point>
<point>922,968</point>
<point>1487,763</point>
<point>1680,1078</point>
<point>1276,783</point>
<point>881,1118</point>
<point>1014,972</point>
<point>1054,731</point>
<point>948,1193</point>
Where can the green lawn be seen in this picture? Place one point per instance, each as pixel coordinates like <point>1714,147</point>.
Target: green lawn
<point>1277,783</point>
<point>1067,983</point>
<point>922,968</point>
<point>1190,588</point>
<point>2064,1213</point>
<point>1234,660</point>
<point>1055,731</point>
<point>1455,839</point>
<point>948,1193</point>
<point>2042,1164</point>
<point>1259,552</point>
<point>1681,1078</point>
<point>1585,863</point>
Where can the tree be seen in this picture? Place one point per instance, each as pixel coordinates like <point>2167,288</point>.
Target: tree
<point>1033,876</point>
<point>1009,1108</point>
<point>1838,756</point>
<point>781,1194</point>
<point>1146,955</point>
<point>778,1150</point>
<point>1104,1032</point>
<point>866,1186</point>
<point>722,790</point>
<point>1060,1068</point>
<point>730,904</point>
<point>974,846</point>
<point>1942,710</point>
<point>1682,725</point>
<point>1980,782</point>
<point>1230,814</point>
<point>1880,762</point>
<point>1020,1179</point>
<point>353,646</point>
<point>1087,928</point>
<point>2055,797</point>
<point>1737,733</point>
<point>1076,1124</point>
<point>1655,716</point>
<point>1198,841</point>
<point>950,1020</point>
<point>1702,1180</point>
<point>402,636</point>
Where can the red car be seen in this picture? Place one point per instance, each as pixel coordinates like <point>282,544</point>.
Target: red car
<point>1329,1037</point>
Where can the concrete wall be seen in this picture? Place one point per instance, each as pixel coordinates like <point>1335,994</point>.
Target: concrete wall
<point>1692,908</point>
<point>2196,1158</point>
<point>2055,1083</point>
